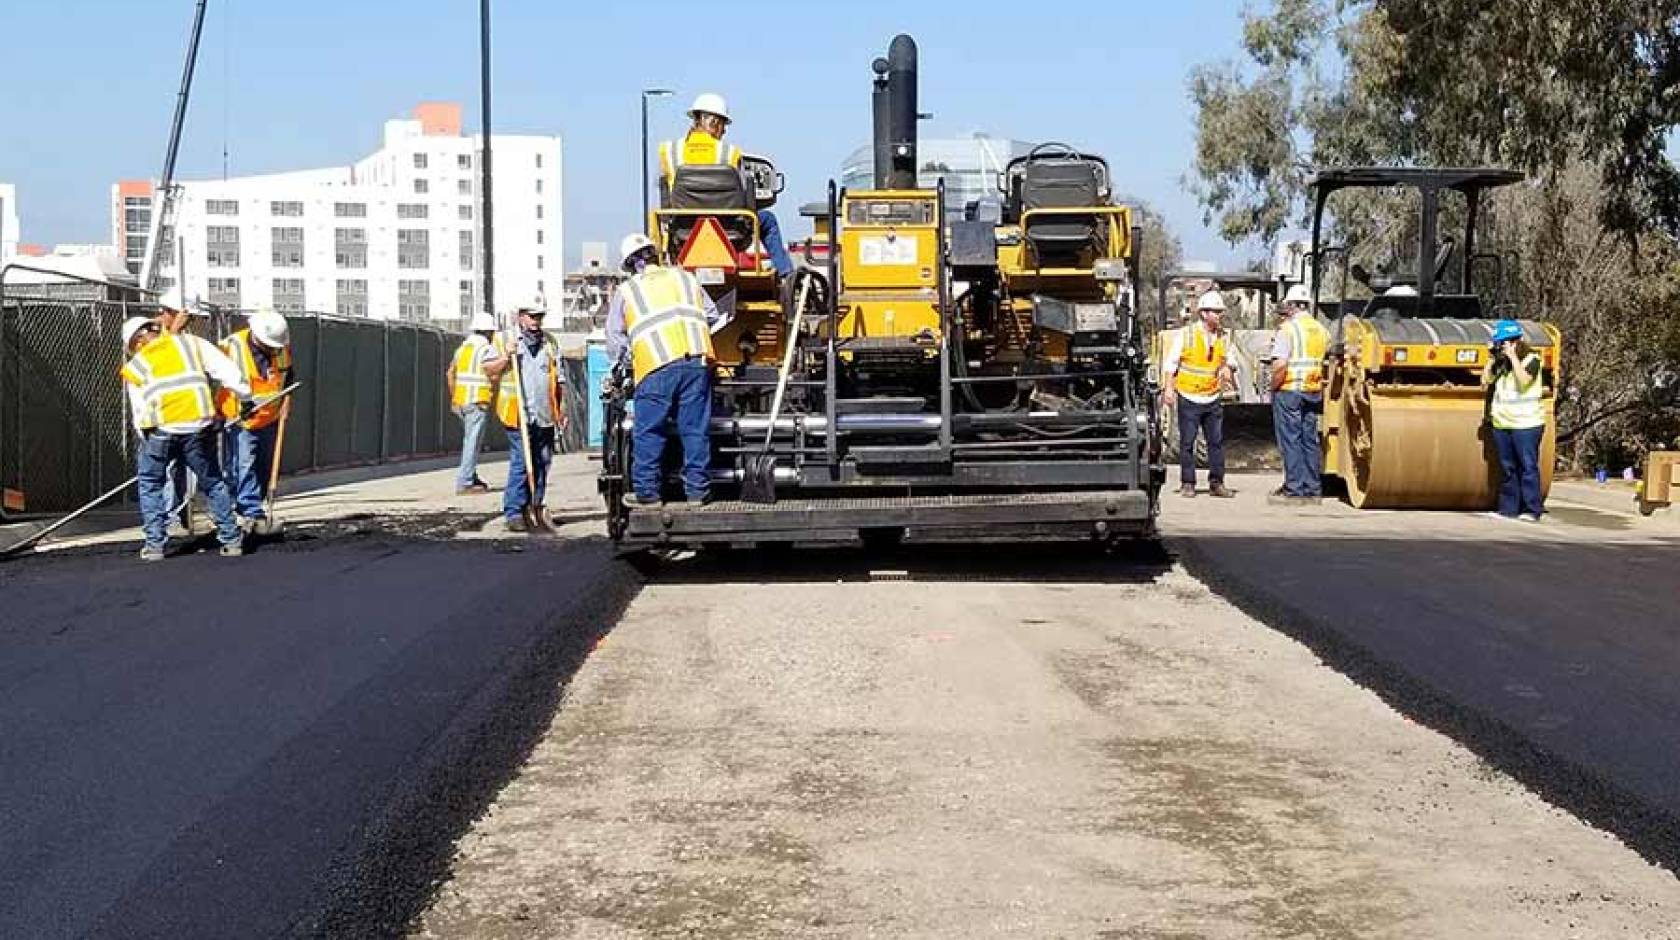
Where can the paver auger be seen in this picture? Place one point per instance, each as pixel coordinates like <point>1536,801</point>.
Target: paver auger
<point>1404,411</point>
<point>968,377</point>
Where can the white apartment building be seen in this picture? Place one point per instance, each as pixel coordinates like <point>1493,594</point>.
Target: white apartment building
<point>397,235</point>
<point>8,222</point>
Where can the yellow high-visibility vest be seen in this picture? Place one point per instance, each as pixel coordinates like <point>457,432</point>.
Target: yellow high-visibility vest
<point>1199,362</point>
<point>1515,406</point>
<point>174,389</point>
<point>507,394</point>
<point>665,317</point>
<point>1308,341</point>
<point>472,385</point>
<point>697,149</point>
<point>238,348</point>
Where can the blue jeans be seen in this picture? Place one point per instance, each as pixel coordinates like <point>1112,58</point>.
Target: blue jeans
<point>198,453</point>
<point>249,456</point>
<point>1209,421</point>
<point>678,394</point>
<point>770,232</point>
<point>1296,416</point>
<point>473,419</point>
<point>1519,461</point>
<point>515,496</point>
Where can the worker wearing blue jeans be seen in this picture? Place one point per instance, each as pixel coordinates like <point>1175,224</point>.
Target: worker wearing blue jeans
<point>676,397</point>
<point>197,451</point>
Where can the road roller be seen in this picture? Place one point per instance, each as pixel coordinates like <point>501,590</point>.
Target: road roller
<point>1405,409</point>
<point>934,375</point>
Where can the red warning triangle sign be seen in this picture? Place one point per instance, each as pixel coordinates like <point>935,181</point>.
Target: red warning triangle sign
<point>707,247</point>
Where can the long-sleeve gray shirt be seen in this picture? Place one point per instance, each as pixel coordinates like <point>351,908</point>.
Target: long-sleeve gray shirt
<point>618,336</point>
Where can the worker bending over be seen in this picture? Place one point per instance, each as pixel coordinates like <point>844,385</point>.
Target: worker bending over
<point>172,379</point>
<point>1298,397</point>
<point>704,146</point>
<point>538,364</point>
<point>663,320</point>
<point>472,375</point>
<point>1195,373</point>
<point>263,353</point>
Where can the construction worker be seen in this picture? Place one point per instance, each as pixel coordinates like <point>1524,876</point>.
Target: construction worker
<point>1298,396</point>
<point>662,319</point>
<point>704,146</point>
<point>263,353</point>
<point>1518,414</point>
<point>537,360</point>
<point>472,375</point>
<point>171,381</point>
<point>174,317</point>
<point>1195,373</point>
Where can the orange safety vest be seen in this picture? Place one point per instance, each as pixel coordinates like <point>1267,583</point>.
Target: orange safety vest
<point>1199,362</point>
<point>174,389</point>
<point>507,395</point>
<point>1308,340</point>
<point>238,348</point>
<point>697,149</point>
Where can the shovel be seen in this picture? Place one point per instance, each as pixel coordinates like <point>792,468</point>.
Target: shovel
<point>270,524</point>
<point>758,479</point>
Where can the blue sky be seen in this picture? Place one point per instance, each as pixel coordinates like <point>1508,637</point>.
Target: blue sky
<point>303,83</point>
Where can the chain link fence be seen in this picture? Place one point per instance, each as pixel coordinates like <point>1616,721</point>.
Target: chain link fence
<point>373,392</point>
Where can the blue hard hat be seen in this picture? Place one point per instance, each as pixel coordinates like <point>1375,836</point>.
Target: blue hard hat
<point>1507,329</point>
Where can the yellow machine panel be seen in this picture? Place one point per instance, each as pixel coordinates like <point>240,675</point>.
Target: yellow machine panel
<point>889,265</point>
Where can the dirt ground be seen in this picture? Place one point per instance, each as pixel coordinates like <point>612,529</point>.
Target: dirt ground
<point>914,746</point>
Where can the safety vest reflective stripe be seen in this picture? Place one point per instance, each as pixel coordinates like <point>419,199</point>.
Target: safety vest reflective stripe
<point>238,348</point>
<point>174,390</point>
<point>1516,407</point>
<point>1308,340</point>
<point>1199,363</point>
<point>665,319</point>
<point>472,385</point>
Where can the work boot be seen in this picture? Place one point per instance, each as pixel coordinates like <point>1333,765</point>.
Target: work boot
<point>516,524</point>
<point>476,486</point>
<point>1278,497</point>
<point>1188,491</point>
<point>1219,490</point>
<point>540,518</point>
<point>233,549</point>
<point>635,501</point>
<point>151,553</point>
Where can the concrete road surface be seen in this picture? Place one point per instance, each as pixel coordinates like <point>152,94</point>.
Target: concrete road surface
<point>1009,742</point>
<point>281,744</point>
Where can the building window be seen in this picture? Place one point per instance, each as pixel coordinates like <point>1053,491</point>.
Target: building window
<point>465,213</point>
<point>539,211</point>
<point>463,187</point>
<point>411,210</point>
<point>221,207</point>
<point>466,251</point>
<point>352,298</point>
<point>350,247</point>
<point>413,248</point>
<point>414,300</point>
<point>288,295</point>
<point>291,209</point>
<point>287,247</point>
<point>419,161</point>
<point>421,187</point>
<point>221,246</point>
<point>224,292</point>
<point>539,236</point>
<point>539,185</point>
<point>539,161</point>
<point>463,161</point>
<point>539,262</point>
<point>350,210</point>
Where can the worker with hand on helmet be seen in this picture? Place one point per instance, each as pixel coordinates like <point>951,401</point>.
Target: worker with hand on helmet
<point>533,359</point>
<point>472,375</point>
<point>663,320</point>
<point>1194,373</point>
<point>1298,397</point>
<point>172,380</point>
<point>1517,411</point>
<point>263,353</point>
<point>704,146</point>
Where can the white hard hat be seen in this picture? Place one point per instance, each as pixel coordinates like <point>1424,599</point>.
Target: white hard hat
<point>536,304</point>
<point>709,103</point>
<point>1212,300</point>
<point>133,325</point>
<point>1401,290</point>
<point>1298,294</point>
<point>173,299</point>
<point>633,243</point>
<point>481,322</point>
<point>270,328</point>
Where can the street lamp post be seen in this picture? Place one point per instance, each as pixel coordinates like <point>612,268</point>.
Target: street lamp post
<point>646,94</point>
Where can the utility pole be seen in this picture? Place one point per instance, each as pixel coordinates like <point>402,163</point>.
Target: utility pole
<point>646,94</point>
<point>163,203</point>
<point>489,266</point>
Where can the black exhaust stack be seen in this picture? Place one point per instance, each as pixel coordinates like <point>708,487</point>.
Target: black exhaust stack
<point>895,113</point>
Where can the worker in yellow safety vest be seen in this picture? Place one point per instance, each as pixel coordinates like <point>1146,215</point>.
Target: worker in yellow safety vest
<point>1517,411</point>
<point>703,145</point>
<point>172,379</point>
<point>662,320</point>
<point>1297,358</point>
<point>534,357</point>
<point>1194,373</point>
<point>472,376</point>
<point>263,353</point>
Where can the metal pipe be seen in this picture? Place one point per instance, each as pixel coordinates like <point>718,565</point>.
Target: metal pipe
<point>489,240</point>
<point>731,474</point>
<point>901,114</point>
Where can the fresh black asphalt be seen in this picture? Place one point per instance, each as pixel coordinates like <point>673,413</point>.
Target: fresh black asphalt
<point>284,744</point>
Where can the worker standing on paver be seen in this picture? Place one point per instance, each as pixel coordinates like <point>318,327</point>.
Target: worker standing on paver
<point>1195,371</point>
<point>263,353</point>
<point>535,360</point>
<point>171,381</point>
<point>1518,415</point>
<point>662,319</point>
<point>704,146</point>
<point>1298,397</point>
<point>472,376</point>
